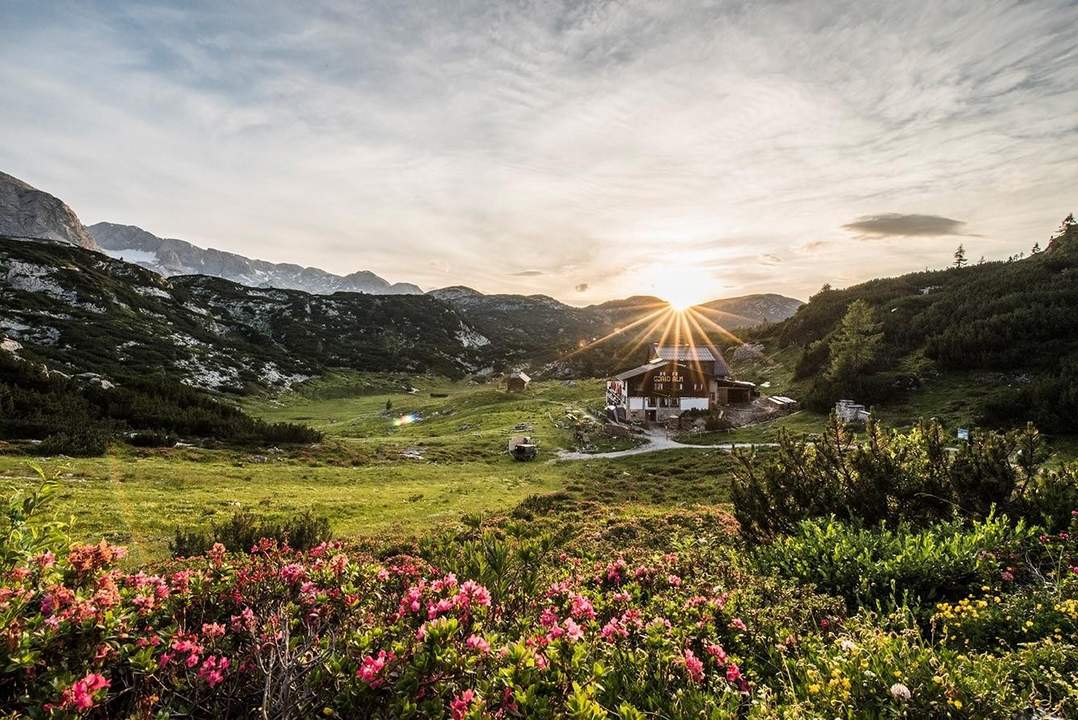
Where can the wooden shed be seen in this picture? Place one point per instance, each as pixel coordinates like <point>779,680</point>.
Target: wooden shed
<point>517,381</point>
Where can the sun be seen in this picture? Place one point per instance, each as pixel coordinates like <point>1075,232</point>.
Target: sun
<point>684,287</point>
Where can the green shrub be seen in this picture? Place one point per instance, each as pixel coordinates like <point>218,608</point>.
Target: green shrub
<point>890,477</point>
<point>85,442</point>
<point>882,666</point>
<point>243,530</point>
<point>868,566</point>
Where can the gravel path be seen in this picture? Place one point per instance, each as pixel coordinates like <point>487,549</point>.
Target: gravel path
<point>657,442</point>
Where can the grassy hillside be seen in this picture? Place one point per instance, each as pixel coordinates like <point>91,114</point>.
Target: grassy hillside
<point>995,343</point>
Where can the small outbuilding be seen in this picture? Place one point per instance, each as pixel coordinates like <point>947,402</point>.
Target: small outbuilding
<point>517,381</point>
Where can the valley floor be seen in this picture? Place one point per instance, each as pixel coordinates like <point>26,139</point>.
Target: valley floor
<point>403,455</point>
<point>438,453</point>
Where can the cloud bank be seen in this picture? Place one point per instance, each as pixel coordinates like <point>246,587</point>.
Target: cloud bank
<point>470,142</point>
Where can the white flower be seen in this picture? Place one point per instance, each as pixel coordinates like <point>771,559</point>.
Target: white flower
<point>900,692</point>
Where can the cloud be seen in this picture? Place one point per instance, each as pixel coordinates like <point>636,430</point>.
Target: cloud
<point>442,143</point>
<point>900,224</point>
<point>582,287</point>
<point>814,245</point>
<point>529,273</point>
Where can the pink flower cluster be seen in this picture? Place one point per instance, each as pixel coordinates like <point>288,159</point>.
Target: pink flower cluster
<point>371,668</point>
<point>81,695</point>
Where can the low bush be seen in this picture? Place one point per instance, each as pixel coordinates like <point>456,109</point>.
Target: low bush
<point>243,531</point>
<point>873,566</point>
<point>893,477</point>
<point>84,442</point>
<point>882,666</point>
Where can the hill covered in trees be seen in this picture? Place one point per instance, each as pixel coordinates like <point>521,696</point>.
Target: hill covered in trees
<point>1015,322</point>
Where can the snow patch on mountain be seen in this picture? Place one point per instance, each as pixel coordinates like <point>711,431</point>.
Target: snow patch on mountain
<point>145,258</point>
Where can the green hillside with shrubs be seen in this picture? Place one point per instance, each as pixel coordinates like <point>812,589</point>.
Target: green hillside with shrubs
<point>1009,328</point>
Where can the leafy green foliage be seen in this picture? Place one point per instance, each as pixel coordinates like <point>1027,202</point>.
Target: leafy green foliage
<point>869,566</point>
<point>893,477</point>
<point>242,532</point>
<point>855,343</point>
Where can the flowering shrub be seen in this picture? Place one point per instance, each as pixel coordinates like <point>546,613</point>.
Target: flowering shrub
<point>496,622</point>
<point>345,635</point>
<point>883,667</point>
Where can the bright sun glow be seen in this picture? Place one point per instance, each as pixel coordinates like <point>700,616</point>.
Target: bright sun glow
<point>682,286</point>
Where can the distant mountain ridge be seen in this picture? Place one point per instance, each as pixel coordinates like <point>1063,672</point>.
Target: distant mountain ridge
<point>170,257</point>
<point>538,329</point>
<point>32,214</point>
<point>83,312</point>
<point>224,321</point>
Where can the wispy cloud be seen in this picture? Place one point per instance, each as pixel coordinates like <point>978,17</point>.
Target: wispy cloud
<point>581,138</point>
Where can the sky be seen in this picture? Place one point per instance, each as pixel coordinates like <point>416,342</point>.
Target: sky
<point>582,149</point>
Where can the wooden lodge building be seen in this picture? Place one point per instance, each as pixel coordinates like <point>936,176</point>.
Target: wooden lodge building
<point>675,378</point>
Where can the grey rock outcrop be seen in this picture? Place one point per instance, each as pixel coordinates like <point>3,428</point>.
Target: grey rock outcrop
<point>29,213</point>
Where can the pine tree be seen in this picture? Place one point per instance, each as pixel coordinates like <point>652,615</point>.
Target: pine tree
<point>856,342</point>
<point>960,257</point>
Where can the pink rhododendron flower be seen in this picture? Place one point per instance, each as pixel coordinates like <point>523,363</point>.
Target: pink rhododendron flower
<point>693,666</point>
<point>478,644</point>
<point>80,696</point>
<point>461,704</point>
<point>213,670</point>
<point>449,582</point>
<point>733,674</point>
<point>216,554</point>
<point>716,652</point>
<point>674,580</point>
<point>244,622</point>
<point>573,632</point>
<point>472,593</point>
<point>293,573</point>
<point>548,618</point>
<point>581,608</point>
<point>558,588</point>
<point>371,667</point>
<point>738,624</point>
<point>615,571</point>
<point>338,564</point>
<point>441,607</point>
<point>213,630</point>
<point>613,630</point>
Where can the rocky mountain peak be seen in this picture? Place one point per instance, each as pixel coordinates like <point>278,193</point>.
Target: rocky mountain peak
<point>29,213</point>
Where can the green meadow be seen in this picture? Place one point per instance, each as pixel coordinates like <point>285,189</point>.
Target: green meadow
<point>402,455</point>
